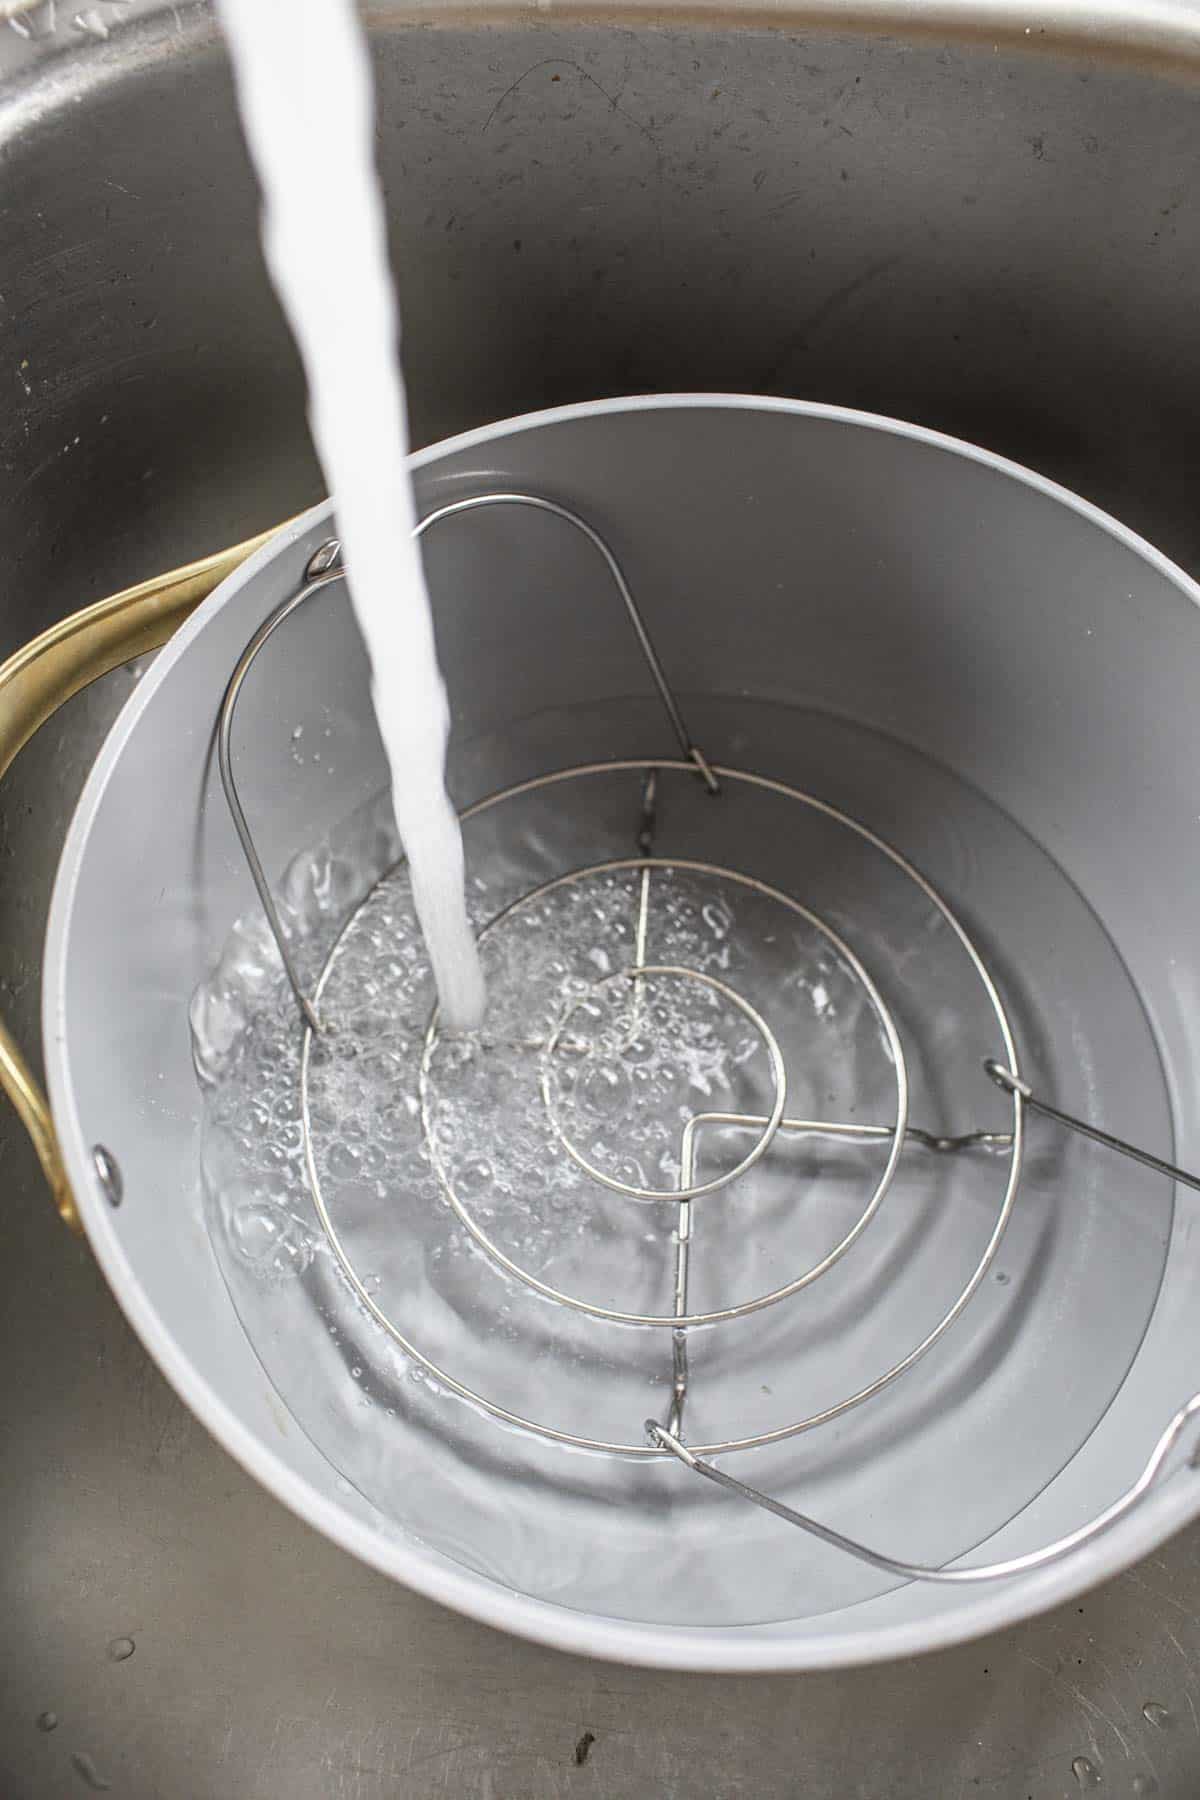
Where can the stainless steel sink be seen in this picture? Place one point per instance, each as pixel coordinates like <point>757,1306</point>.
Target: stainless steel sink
<point>983,222</point>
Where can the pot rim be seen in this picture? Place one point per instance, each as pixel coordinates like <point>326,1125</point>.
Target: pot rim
<point>1163,35</point>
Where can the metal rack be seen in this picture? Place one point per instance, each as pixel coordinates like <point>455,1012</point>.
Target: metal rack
<point>546,1055</point>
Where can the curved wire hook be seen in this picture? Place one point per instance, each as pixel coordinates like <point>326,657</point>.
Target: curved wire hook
<point>323,568</point>
<point>893,1565</point>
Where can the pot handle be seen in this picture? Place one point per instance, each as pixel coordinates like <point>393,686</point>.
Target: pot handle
<point>34,683</point>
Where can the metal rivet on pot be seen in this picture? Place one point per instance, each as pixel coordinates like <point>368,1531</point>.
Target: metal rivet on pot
<point>108,1173</point>
<point>322,559</point>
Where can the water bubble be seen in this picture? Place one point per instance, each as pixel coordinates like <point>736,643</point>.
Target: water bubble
<point>120,1649</point>
<point>343,1160</point>
<point>1155,1713</point>
<point>1085,1772</point>
<point>718,916</point>
<point>474,1177</point>
<point>256,1230</point>
<point>269,1239</point>
<point>374,1159</point>
<point>629,1170</point>
<point>604,1089</point>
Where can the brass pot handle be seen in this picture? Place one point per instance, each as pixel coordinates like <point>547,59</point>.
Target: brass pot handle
<point>34,683</point>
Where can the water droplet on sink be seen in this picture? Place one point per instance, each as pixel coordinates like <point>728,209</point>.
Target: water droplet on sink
<point>84,1767</point>
<point>1085,1772</point>
<point>47,1721</point>
<point>1144,1784</point>
<point>120,1649</point>
<point>1155,1713</point>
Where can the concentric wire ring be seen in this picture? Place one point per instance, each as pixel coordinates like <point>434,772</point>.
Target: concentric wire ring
<point>719,1315</point>
<point>640,1448</point>
<point>766,1132</point>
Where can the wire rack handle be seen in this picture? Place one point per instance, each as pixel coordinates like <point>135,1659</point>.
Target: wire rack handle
<point>324,567</point>
<point>659,1436</point>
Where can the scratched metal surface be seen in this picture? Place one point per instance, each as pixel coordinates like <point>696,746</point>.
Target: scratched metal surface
<point>1002,246</point>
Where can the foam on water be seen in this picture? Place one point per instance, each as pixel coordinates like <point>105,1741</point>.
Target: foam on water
<point>304,88</point>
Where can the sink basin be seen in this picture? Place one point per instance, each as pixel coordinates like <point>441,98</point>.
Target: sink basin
<point>984,229</point>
